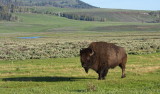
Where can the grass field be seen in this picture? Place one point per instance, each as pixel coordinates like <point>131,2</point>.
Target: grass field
<point>66,76</point>
<point>50,64</point>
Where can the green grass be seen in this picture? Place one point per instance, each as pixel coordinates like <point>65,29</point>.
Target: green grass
<point>33,23</point>
<point>66,76</point>
<point>44,23</point>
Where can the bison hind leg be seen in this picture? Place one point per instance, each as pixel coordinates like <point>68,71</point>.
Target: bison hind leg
<point>122,66</point>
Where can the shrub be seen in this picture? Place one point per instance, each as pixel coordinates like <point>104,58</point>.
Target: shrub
<point>25,50</point>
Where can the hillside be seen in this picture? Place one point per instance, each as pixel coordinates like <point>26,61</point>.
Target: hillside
<point>90,13</point>
<point>78,10</point>
<point>99,14</point>
<point>55,3</point>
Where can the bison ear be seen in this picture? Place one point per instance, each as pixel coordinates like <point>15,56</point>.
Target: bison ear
<point>82,49</point>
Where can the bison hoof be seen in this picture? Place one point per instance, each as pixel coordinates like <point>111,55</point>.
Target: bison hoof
<point>123,76</point>
<point>101,78</point>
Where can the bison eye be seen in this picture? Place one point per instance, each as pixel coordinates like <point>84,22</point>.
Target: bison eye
<point>88,58</point>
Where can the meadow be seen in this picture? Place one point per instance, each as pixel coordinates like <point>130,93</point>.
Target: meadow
<point>66,76</point>
<point>50,64</point>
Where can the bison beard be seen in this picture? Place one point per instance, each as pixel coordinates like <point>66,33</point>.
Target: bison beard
<point>101,56</point>
<point>86,69</point>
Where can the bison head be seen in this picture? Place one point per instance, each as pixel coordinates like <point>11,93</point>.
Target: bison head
<point>86,58</point>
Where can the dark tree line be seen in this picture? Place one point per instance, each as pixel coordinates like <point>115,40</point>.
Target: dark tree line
<point>75,16</point>
<point>6,10</point>
<point>6,15</point>
<point>83,17</point>
<point>156,14</point>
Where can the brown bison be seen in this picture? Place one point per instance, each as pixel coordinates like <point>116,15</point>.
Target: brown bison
<point>101,56</point>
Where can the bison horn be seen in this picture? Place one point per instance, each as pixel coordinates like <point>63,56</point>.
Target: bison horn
<point>92,53</point>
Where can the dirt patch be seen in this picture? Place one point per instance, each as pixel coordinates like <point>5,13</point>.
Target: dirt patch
<point>141,70</point>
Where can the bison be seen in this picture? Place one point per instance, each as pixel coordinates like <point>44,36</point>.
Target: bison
<point>101,56</point>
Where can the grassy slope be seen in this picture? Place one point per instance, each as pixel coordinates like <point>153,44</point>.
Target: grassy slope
<point>66,76</point>
<point>43,23</point>
<point>116,15</point>
<point>39,23</point>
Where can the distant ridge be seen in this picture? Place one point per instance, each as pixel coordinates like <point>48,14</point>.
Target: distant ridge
<point>54,3</point>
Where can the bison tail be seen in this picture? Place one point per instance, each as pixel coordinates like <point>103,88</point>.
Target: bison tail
<point>124,60</point>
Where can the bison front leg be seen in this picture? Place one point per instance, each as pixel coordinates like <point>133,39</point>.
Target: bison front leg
<point>102,74</point>
<point>99,76</point>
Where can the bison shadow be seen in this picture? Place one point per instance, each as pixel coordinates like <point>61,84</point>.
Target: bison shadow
<point>45,79</point>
